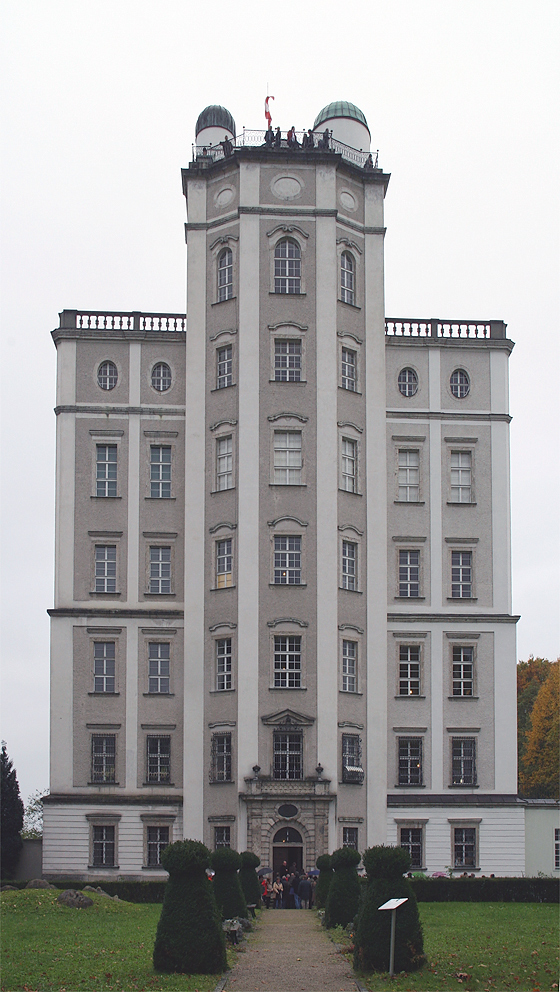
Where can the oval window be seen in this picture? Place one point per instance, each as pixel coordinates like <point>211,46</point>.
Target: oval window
<point>161,377</point>
<point>288,810</point>
<point>107,375</point>
<point>408,382</point>
<point>460,384</point>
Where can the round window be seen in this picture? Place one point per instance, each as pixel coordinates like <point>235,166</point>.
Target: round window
<point>408,382</point>
<point>460,384</point>
<point>287,810</point>
<point>107,375</point>
<point>161,377</point>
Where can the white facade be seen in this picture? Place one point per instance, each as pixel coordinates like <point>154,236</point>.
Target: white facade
<point>283,600</point>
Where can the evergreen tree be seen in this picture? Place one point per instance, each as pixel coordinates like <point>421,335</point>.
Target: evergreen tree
<point>227,887</point>
<point>11,817</point>
<point>343,900</point>
<point>189,937</point>
<point>249,879</point>
<point>539,771</point>
<point>324,880</point>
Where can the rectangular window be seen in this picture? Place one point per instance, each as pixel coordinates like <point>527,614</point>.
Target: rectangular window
<point>287,661</point>
<point>349,666</point>
<point>349,565</point>
<point>463,762</point>
<point>158,839</point>
<point>352,770</point>
<point>409,574</point>
<point>288,756</point>
<point>221,758</point>
<point>556,847</point>
<point>158,667</point>
<point>224,564</point>
<point>410,761</point>
<point>409,476</point>
<point>287,458</point>
<point>104,666</point>
<point>463,671</point>
<point>103,758</point>
<point>222,837</point>
<point>349,465</point>
<point>411,840</point>
<point>160,471</point>
<point>461,574</point>
<point>223,663</point>
<point>159,759</point>
<point>105,568</point>
<point>287,360</point>
<point>103,847</point>
<point>160,570</point>
<point>349,370</point>
<point>409,670</point>
<point>106,470</point>
<point>224,368</point>
<point>350,837</point>
<point>287,561</point>
<point>464,844</point>
<point>461,477</point>
<point>224,463</point>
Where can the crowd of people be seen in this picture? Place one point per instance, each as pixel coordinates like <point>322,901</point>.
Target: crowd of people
<point>273,139</point>
<point>292,889</point>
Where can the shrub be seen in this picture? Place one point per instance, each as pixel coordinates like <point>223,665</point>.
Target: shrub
<point>189,936</point>
<point>343,900</point>
<point>324,880</point>
<point>248,877</point>
<point>486,889</point>
<point>385,867</point>
<point>227,887</point>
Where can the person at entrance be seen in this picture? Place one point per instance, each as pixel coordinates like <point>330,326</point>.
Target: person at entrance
<point>304,892</point>
<point>277,891</point>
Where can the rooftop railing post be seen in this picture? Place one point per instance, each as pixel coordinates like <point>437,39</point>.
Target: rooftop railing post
<point>434,327</point>
<point>136,320</point>
<point>497,329</point>
<point>68,318</point>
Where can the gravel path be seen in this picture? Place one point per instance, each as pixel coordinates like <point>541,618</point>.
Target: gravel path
<point>290,952</point>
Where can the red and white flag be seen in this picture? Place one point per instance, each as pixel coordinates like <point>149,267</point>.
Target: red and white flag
<point>267,113</point>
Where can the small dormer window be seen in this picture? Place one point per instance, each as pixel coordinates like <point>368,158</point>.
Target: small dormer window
<point>347,278</point>
<point>225,275</point>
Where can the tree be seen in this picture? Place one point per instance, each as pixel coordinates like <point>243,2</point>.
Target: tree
<point>324,880</point>
<point>11,817</point>
<point>531,675</point>
<point>539,771</point>
<point>33,816</point>
<point>249,879</point>
<point>343,900</point>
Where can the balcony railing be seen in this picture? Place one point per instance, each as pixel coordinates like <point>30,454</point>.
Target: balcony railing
<point>121,320</point>
<point>255,139</point>
<point>405,327</point>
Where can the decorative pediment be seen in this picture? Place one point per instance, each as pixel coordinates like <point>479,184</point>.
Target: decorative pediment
<point>288,718</point>
<point>283,323</point>
<point>223,240</point>
<point>288,416</point>
<point>287,229</point>
<point>287,516</point>
<point>350,244</point>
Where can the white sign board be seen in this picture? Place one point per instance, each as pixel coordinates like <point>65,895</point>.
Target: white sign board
<point>392,904</point>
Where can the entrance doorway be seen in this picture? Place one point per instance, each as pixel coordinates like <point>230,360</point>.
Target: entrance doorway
<point>287,846</point>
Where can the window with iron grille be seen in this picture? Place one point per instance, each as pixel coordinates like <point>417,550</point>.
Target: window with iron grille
<point>408,382</point>
<point>349,565</point>
<point>223,663</point>
<point>461,574</point>
<point>463,761</point>
<point>463,671</point>
<point>349,369</point>
<point>409,574</point>
<point>352,770</point>
<point>157,841</point>
<point>287,661</point>
<point>287,360</point>
<point>411,840</point>
<point>105,568</point>
<point>103,748</point>
<point>159,759</point>
<point>288,755</point>
<point>409,670</point>
<point>410,761</point>
<point>222,837</point>
<point>347,278</point>
<point>224,368</point>
<point>459,384</point>
<point>349,666</point>
<point>158,666</point>
<point>464,847</point>
<point>224,463</point>
<point>104,666</point>
<point>461,477</point>
<point>287,560</point>
<point>221,758</point>
<point>287,458</point>
<point>106,470</point>
<point>350,837</point>
<point>160,570</point>
<point>161,377</point>
<point>160,471</point>
<point>349,465</point>
<point>225,275</point>
<point>107,375</point>
<point>409,476</point>
<point>224,564</point>
<point>287,267</point>
<point>103,847</point>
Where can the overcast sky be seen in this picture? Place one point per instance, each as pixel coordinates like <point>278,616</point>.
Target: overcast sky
<point>100,103</point>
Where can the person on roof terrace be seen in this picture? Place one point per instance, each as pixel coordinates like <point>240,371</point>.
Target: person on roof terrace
<point>278,138</point>
<point>308,141</point>
<point>227,146</point>
<point>292,138</point>
<point>269,137</point>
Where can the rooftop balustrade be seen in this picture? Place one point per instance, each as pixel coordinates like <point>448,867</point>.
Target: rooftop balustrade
<point>255,139</point>
<point>121,320</point>
<point>405,327</point>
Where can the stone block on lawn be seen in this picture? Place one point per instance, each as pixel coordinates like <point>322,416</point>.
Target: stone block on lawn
<point>74,899</point>
<point>39,883</point>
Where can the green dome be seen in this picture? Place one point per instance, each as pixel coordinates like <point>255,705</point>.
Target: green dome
<point>340,108</point>
<point>215,116</point>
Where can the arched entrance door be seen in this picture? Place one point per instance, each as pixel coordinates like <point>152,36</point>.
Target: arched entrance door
<point>287,849</point>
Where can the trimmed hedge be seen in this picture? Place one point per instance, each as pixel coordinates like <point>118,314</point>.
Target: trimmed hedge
<point>343,900</point>
<point>140,892</point>
<point>324,880</point>
<point>486,889</point>
<point>226,885</point>
<point>249,879</point>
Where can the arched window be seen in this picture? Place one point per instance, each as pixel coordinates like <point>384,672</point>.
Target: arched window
<point>161,377</point>
<point>225,275</point>
<point>347,278</point>
<point>107,375</point>
<point>408,382</point>
<point>287,267</point>
<point>460,384</point>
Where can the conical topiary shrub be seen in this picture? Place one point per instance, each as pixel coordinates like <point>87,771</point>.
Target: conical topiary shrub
<point>324,880</point>
<point>249,879</point>
<point>385,868</point>
<point>189,936</point>
<point>227,887</point>
<point>343,900</point>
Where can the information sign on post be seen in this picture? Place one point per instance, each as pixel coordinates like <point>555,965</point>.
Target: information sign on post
<point>393,905</point>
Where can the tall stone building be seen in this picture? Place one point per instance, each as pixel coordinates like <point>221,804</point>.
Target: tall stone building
<point>283,603</point>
